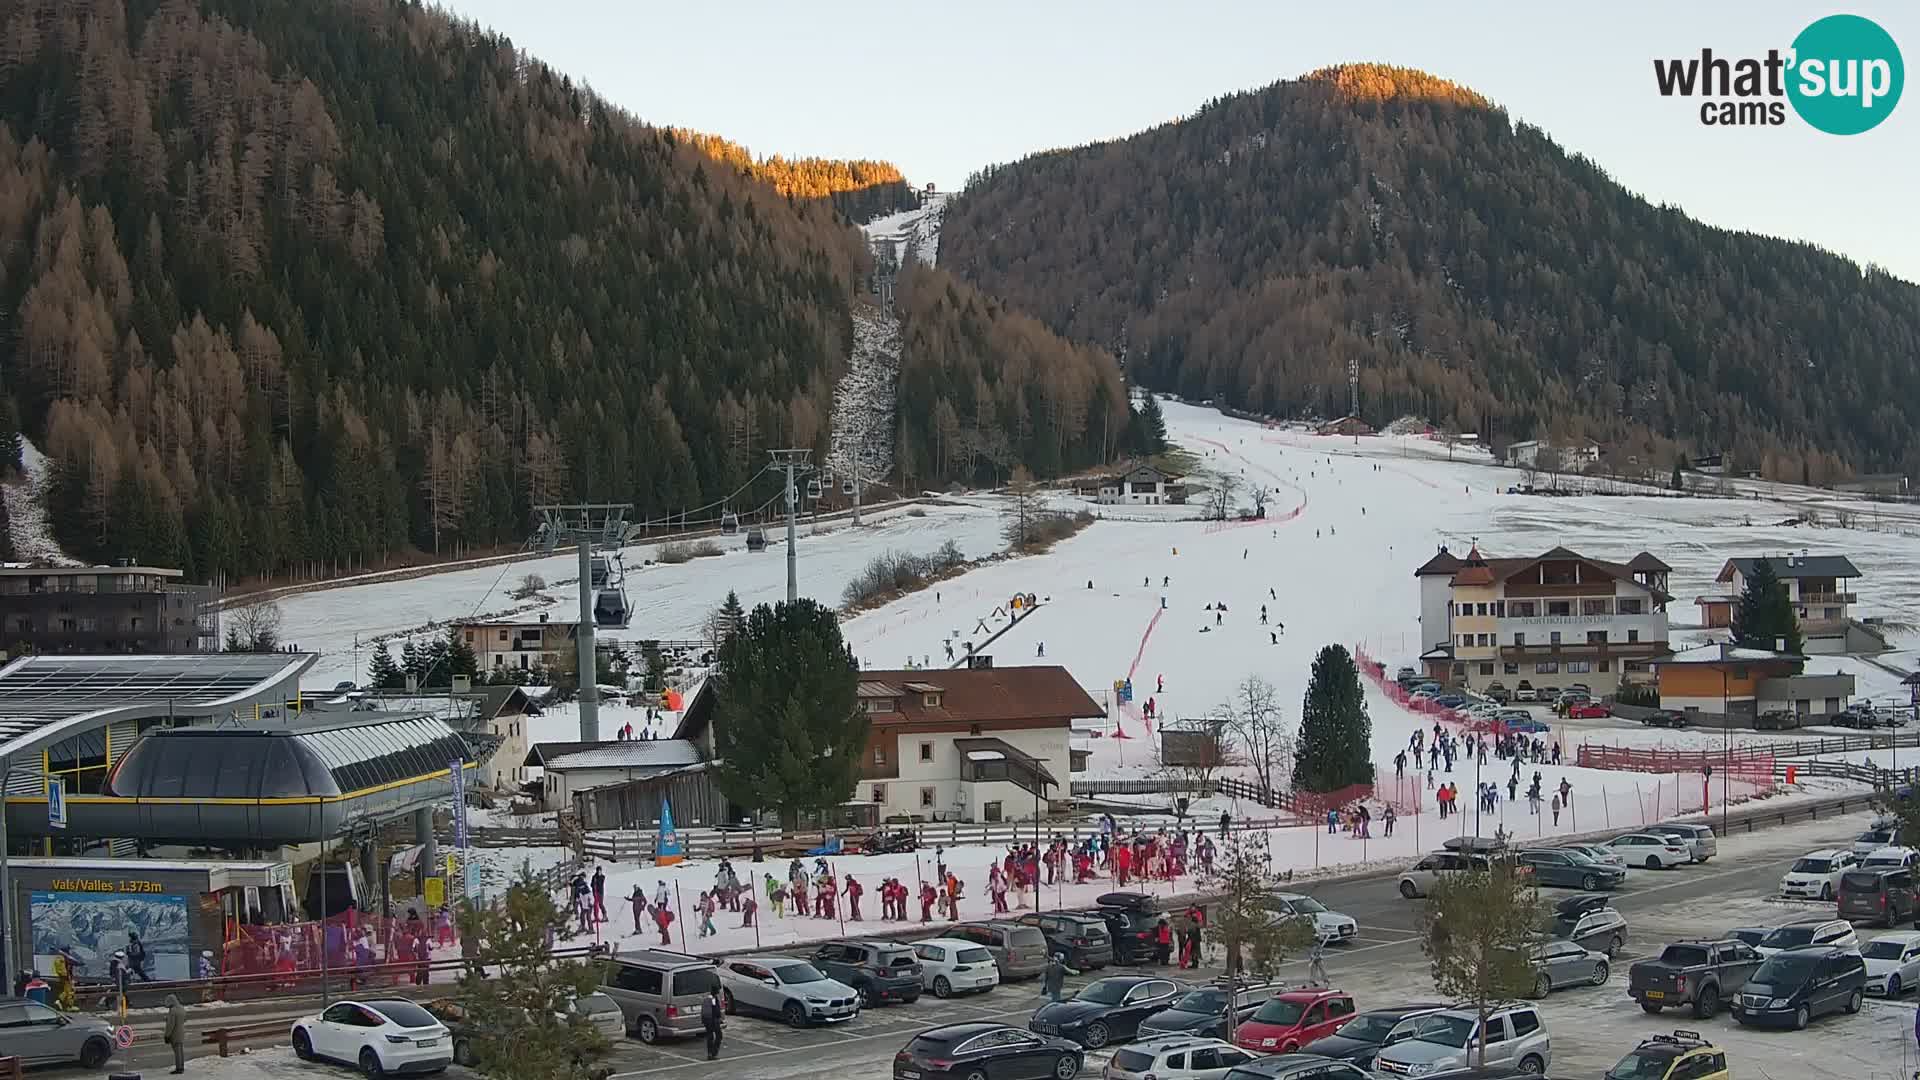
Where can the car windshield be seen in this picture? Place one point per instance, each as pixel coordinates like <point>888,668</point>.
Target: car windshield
<point>404,1013</point>
<point>1683,955</point>
<point>1307,905</point>
<point>1883,949</point>
<point>1104,992</point>
<point>1577,855</point>
<point>1785,970</point>
<point>1786,937</point>
<point>793,974</point>
<point>1813,866</point>
<point>1641,1065</point>
<point>1877,836</point>
<point>1369,1028</point>
<point>1202,1001</point>
<point>1445,1030</point>
<point>1280,1011</point>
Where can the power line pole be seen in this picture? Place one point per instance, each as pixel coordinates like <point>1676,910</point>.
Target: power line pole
<point>585,524</point>
<point>856,495</point>
<point>795,462</point>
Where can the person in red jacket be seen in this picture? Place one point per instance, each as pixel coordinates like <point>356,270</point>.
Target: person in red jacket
<point>852,891</point>
<point>927,897</point>
<point>1162,943</point>
<point>1122,863</point>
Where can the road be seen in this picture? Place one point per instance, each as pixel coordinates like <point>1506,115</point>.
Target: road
<point>1591,1027</point>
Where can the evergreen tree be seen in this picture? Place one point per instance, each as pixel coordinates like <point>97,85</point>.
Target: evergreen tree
<point>656,662</point>
<point>1476,930</point>
<point>731,613</point>
<point>1763,617</point>
<point>460,659</point>
<point>412,663</point>
<point>1679,482</point>
<point>382,672</point>
<point>518,997</point>
<point>1149,427</point>
<point>788,731</point>
<point>1336,735</point>
<point>9,436</point>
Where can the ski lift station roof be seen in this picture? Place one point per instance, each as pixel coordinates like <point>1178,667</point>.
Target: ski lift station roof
<point>46,699</point>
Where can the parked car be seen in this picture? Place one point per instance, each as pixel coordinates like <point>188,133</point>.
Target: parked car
<point>1599,853</point>
<point>1524,692</point>
<point>1406,676</point>
<point>39,1035</point>
<point>950,966</point>
<point>1795,986</point>
<point>1564,963</point>
<point>1202,1011</point>
<point>379,1035</point>
<point>599,1010</point>
<point>1591,922</point>
<point>1651,850</point>
<point>879,971</point>
<point>1587,710</point>
<point>1418,879</point>
<point>1798,935</point>
<point>1080,941</point>
<point>1703,974</point>
<point>1777,720</point>
<point>1883,894</point>
<point>1816,875</point>
<point>1106,1010</point>
<point>784,986</point>
<point>1889,858</point>
<point>1700,842</point>
<point>1568,699</point>
<point>1683,1055</point>
<point>1130,930</point>
<point>1293,1018</point>
<point>1450,701</point>
<point>1442,1043</point>
<point>1855,716</point>
<point>659,991</point>
<point>1893,962</point>
<point>1879,836</point>
<point>1497,692</point>
<point>982,1049</point>
<point>1526,724</point>
<point>1329,926</point>
<point>1750,936</point>
<point>1667,718</point>
<point>1429,688</point>
<point>1020,952</point>
<point>1297,1067</point>
<point>1570,869</point>
<point>1176,1057</point>
<point>1359,1040</point>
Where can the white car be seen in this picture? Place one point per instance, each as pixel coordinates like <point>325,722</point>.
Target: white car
<point>1893,963</point>
<point>1651,851</point>
<point>1599,853</point>
<point>1890,858</point>
<point>1328,926</point>
<point>1816,875</point>
<point>1179,1057</point>
<point>382,1035</point>
<point>1876,838</point>
<point>950,966</point>
<point>1836,932</point>
<point>787,987</point>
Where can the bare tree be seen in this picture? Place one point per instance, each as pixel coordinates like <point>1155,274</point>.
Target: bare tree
<point>1261,493</point>
<point>1023,509</point>
<point>1264,737</point>
<point>1547,459</point>
<point>1221,488</point>
<point>254,628</point>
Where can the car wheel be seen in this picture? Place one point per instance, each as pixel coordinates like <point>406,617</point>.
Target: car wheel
<point>1853,1002</point>
<point>726,1002</point>
<point>976,1075</point>
<point>862,997</point>
<point>1600,973</point>
<point>1066,1068</point>
<point>1532,1065</point>
<point>1826,891</point>
<point>941,987</point>
<point>95,1053</point>
<point>302,1045</point>
<point>649,1029</point>
<point>1707,1003</point>
<point>1652,1008</point>
<point>1800,1018</point>
<point>1408,890</point>
<point>794,1015</point>
<point>1589,883</point>
<point>1653,862</point>
<point>370,1064</point>
<point>1097,1035</point>
<point>1893,986</point>
<point>1613,946</point>
<point>1542,985</point>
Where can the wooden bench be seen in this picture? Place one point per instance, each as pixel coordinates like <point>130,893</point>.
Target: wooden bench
<point>259,1029</point>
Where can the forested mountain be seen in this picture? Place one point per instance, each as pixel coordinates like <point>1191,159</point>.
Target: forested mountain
<point>859,189</point>
<point>1477,273</point>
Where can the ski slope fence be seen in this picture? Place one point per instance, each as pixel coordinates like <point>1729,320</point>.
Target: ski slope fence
<point>1723,776</point>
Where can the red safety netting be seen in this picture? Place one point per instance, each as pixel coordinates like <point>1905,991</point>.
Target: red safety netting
<point>377,948</point>
<point>1734,777</point>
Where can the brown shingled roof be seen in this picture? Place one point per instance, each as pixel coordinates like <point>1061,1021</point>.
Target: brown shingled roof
<point>1648,561</point>
<point>1442,563</point>
<point>971,695</point>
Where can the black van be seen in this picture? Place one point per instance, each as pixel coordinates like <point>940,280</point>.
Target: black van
<point>1795,986</point>
<point>1882,894</point>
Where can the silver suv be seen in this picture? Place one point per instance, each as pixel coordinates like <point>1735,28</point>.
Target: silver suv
<point>1443,1043</point>
<point>1699,839</point>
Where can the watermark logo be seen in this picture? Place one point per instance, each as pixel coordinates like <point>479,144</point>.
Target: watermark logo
<point>1842,75</point>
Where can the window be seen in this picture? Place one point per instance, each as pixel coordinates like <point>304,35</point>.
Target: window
<point>1486,669</point>
<point>879,755</point>
<point>1524,1023</point>
<point>1339,1007</point>
<point>1511,669</point>
<point>1466,609</point>
<point>1633,635</point>
<point>1596,607</point>
<point>1500,609</point>
<point>1466,639</point>
<point>990,811</point>
<point>1479,609</point>
<point>1496,1030</point>
<point>1519,638</point>
<point>502,634</point>
<point>1596,637</point>
<point>1630,605</point>
<point>1553,637</point>
<point>1547,667</point>
<point>931,701</point>
<point>926,797</point>
<point>1525,609</point>
<point>879,793</point>
<point>926,751</point>
<point>1559,607</point>
<point>1579,667</point>
<point>1483,639</point>
<point>1830,613</point>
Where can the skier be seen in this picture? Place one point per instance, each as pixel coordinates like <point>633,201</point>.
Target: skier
<point>1273,638</point>
<point>1159,684</point>
<point>1263,614</point>
<point>1042,650</point>
<point>1216,618</point>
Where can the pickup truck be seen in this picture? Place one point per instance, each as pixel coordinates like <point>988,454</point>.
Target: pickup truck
<point>1698,973</point>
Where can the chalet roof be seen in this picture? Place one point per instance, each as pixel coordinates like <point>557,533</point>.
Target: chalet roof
<point>972,695</point>
<point>1443,562</point>
<point>990,749</point>
<point>1646,561</point>
<point>1722,653</point>
<point>923,688</point>
<point>614,754</point>
<point>1801,566</point>
<point>874,690</point>
<point>1502,569</point>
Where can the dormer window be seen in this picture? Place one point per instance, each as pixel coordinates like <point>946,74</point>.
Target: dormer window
<point>931,701</point>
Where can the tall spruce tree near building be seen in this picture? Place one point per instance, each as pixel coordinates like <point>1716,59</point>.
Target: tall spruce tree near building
<point>382,672</point>
<point>788,731</point>
<point>460,658</point>
<point>1336,735</point>
<point>1763,618</point>
<point>1149,427</point>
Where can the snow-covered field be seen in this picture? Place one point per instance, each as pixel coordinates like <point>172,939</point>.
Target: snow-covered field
<point>915,232</point>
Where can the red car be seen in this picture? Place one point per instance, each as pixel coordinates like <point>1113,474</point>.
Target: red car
<point>1293,1019</point>
<point>1587,710</point>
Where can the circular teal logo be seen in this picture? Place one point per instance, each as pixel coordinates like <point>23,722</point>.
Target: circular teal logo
<point>1847,74</point>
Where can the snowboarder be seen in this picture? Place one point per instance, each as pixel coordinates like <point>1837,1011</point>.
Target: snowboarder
<point>1273,638</point>
<point>1042,650</point>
